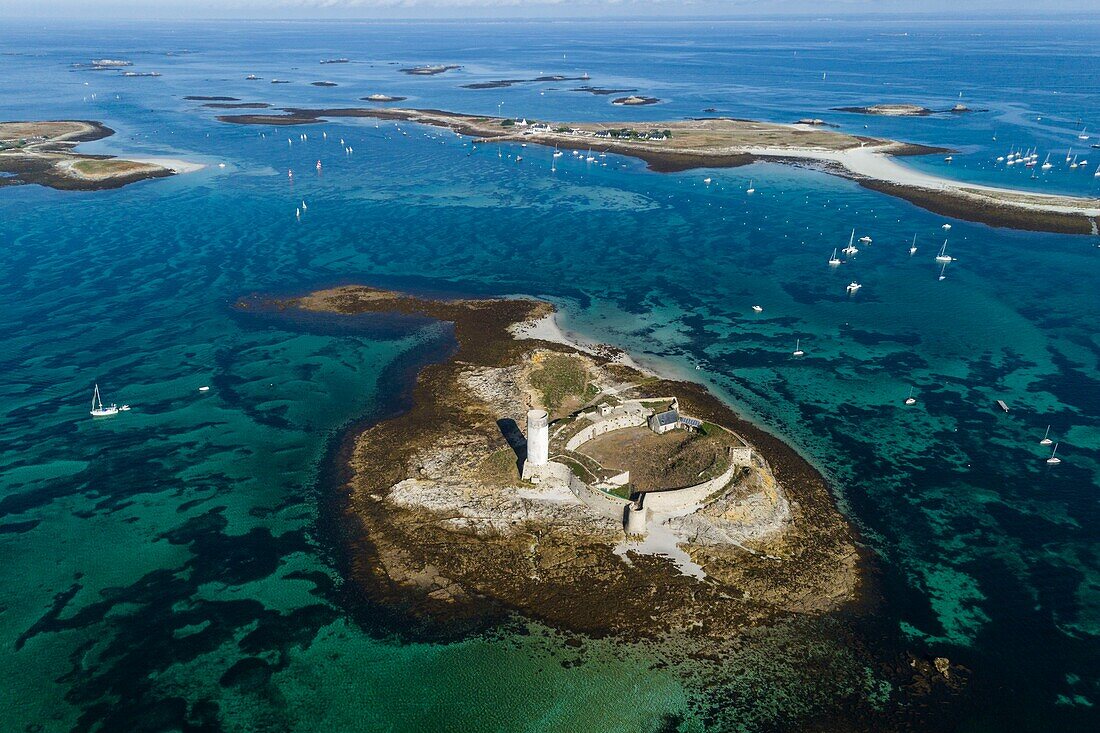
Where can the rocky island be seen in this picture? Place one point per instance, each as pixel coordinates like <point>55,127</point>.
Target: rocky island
<point>723,142</point>
<point>570,486</point>
<point>42,152</point>
<point>429,69</point>
<point>635,100</point>
<point>901,110</point>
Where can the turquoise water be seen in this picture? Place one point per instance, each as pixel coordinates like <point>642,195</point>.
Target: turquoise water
<point>167,567</point>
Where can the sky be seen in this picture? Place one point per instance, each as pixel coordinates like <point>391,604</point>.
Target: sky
<point>503,9</point>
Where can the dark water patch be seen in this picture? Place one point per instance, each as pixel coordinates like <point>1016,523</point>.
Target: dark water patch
<point>249,675</point>
<point>19,527</point>
<point>877,338</point>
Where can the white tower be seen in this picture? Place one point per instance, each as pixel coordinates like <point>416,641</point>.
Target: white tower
<point>538,437</point>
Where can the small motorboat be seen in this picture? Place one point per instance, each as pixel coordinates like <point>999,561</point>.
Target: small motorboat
<point>853,287</point>
<point>757,309</point>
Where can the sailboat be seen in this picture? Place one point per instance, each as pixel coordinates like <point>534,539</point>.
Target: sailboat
<point>913,246</point>
<point>1046,437</point>
<point>834,260</point>
<point>865,239</point>
<point>910,400</point>
<point>798,348</point>
<point>98,410</point>
<point>750,189</point>
<point>557,153</point>
<point>1047,165</point>
<point>1054,460</point>
<point>851,248</point>
<point>943,256</point>
<point>1082,136</point>
<point>1097,173</point>
<point>853,287</point>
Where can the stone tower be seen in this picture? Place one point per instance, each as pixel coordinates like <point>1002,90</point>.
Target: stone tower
<point>538,437</point>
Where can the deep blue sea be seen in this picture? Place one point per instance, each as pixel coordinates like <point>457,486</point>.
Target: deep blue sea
<point>166,569</point>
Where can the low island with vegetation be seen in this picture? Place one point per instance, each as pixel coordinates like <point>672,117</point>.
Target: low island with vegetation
<point>42,152</point>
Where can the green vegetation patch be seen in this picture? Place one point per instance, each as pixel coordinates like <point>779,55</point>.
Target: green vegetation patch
<point>500,467</point>
<point>560,377</point>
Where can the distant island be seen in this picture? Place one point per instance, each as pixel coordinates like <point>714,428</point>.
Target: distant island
<point>503,83</point>
<point>323,83</point>
<point>602,91</point>
<point>901,110</point>
<point>565,483</point>
<point>42,152</point>
<point>383,98</point>
<point>429,70</point>
<point>635,101</point>
<point>722,142</point>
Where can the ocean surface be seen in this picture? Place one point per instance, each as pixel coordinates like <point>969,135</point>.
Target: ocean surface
<point>168,569</point>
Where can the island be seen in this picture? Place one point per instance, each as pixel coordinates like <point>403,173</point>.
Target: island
<point>723,142</point>
<point>635,100</point>
<point>888,110</point>
<point>602,91</point>
<point>902,110</point>
<point>429,70</point>
<point>383,98</point>
<point>42,152</point>
<point>565,483</point>
<point>504,83</point>
<point>323,83</point>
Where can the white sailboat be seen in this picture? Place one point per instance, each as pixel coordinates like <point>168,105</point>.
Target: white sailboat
<point>1054,460</point>
<point>1047,165</point>
<point>910,399</point>
<point>943,256</point>
<point>913,246</point>
<point>1046,437</point>
<point>1082,136</point>
<point>851,248</point>
<point>98,410</point>
<point>834,260</point>
<point>853,287</point>
<point>750,189</point>
<point>865,239</point>
<point>798,348</point>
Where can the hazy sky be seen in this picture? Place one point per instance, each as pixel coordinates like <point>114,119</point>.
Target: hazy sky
<point>260,9</point>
